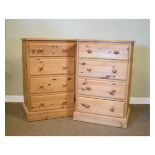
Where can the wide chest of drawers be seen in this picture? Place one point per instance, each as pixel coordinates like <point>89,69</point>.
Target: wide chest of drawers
<point>103,75</point>
<point>48,78</point>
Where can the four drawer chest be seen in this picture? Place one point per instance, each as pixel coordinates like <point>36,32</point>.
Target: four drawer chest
<point>48,78</point>
<point>93,74</point>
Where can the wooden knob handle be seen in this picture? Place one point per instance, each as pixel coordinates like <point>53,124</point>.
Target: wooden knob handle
<point>116,52</point>
<point>89,69</point>
<point>41,68</point>
<point>85,105</point>
<point>33,51</point>
<point>112,109</point>
<point>112,91</point>
<point>40,50</point>
<point>41,86</point>
<point>82,89</point>
<point>64,84</point>
<point>64,67</point>
<point>84,83</point>
<point>65,50</point>
<point>106,77</point>
<point>88,88</point>
<point>42,103</point>
<point>64,101</point>
<point>114,70</point>
<point>83,63</point>
<point>89,51</point>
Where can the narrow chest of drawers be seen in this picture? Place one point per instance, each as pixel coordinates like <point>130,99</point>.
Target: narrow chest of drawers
<point>103,75</point>
<point>48,78</point>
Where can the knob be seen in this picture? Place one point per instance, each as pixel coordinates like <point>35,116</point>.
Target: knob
<point>84,83</point>
<point>40,50</point>
<point>112,109</point>
<point>85,105</point>
<point>116,52</point>
<point>64,50</point>
<point>42,103</point>
<point>89,51</point>
<point>89,69</point>
<point>33,51</point>
<point>112,91</point>
<point>88,88</point>
<point>41,86</point>
<point>83,63</point>
<point>64,67</point>
<point>64,101</point>
<point>106,77</point>
<point>114,70</point>
<point>49,84</point>
<point>64,84</point>
<point>41,68</point>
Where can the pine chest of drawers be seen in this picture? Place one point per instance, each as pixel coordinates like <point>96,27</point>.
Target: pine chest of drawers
<point>98,83</point>
<point>48,78</point>
<point>103,75</point>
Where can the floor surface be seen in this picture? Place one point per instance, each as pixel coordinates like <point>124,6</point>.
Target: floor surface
<point>16,124</point>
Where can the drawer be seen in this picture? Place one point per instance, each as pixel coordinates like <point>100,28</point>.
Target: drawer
<point>103,69</point>
<point>107,89</point>
<point>56,101</point>
<point>45,66</point>
<point>103,50</point>
<point>51,49</point>
<point>51,84</point>
<point>100,107</point>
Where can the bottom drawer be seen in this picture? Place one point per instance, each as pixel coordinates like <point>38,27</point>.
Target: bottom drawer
<point>52,101</point>
<point>100,107</point>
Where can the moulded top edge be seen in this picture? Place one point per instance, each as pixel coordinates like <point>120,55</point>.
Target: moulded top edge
<point>114,41</point>
<point>80,40</point>
<point>47,39</point>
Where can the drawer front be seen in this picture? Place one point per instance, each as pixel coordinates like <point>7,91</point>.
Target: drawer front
<point>51,84</point>
<point>51,49</point>
<point>103,50</point>
<point>103,69</point>
<point>116,90</point>
<point>45,66</point>
<point>100,107</point>
<point>56,101</point>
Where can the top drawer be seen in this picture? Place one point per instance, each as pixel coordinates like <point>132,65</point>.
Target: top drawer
<point>51,48</point>
<point>104,50</point>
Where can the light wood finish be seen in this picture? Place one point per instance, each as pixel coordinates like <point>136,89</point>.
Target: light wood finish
<point>48,78</point>
<point>102,119</point>
<point>77,40</point>
<point>100,107</point>
<point>47,114</point>
<point>51,84</point>
<point>46,66</point>
<point>52,49</point>
<point>104,50</point>
<point>100,88</point>
<point>52,101</point>
<point>103,79</point>
<point>103,69</point>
